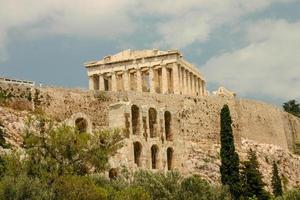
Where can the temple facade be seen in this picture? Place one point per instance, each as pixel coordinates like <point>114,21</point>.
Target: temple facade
<point>153,71</point>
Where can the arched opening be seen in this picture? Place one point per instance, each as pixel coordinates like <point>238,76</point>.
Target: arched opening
<point>137,148</point>
<point>152,121</point>
<point>135,119</point>
<point>170,158</point>
<point>81,124</point>
<point>113,173</point>
<point>168,131</point>
<point>154,156</point>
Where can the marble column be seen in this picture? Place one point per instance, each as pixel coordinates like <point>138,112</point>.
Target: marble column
<point>101,83</point>
<point>126,81</point>
<point>175,78</point>
<point>113,82</point>
<point>164,78</point>
<point>188,82</point>
<point>91,83</point>
<point>184,82</point>
<point>192,84</point>
<point>203,88</point>
<point>139,81</point>
<point>151,78</point>
<point>197,86</point>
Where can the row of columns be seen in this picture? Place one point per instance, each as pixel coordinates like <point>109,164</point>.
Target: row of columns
<point>175,79</point>
<point>189,83</point>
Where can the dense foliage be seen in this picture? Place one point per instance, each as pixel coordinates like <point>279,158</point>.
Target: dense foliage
<point>276,181</point>
<point>229,158</point>
<point>292,107</point>
<point>59,163</point>
<point>252,183</point>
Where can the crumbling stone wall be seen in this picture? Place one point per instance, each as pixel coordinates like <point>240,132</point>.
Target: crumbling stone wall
<point>195,127</point>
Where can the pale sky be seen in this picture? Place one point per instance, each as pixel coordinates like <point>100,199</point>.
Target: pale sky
<point>250,47</point>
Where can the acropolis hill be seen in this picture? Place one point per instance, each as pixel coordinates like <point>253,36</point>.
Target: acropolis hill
<point>169,119</point>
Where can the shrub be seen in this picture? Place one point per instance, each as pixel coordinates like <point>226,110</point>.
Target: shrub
<point>24,188</point>
<point>293,194</point>
<point>77,188</point>
<point>159,185</point>
<point>196,188</point>
<point>101,96</point>
<point>132,193</point>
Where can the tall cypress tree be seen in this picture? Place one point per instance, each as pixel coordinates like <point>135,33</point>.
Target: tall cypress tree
<point>276,181</point>
<point>253,184</point>
<point>229,158</point>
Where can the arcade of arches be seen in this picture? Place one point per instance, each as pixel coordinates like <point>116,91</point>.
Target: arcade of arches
<point>153,153</point>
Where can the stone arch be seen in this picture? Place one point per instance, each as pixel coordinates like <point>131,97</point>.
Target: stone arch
<point>81,125</point>
<point>135,119</point>
<point>81,122</point>
<point>154,156</point>
<point>137,152</point>
<point>170,152</point>
<point>152,113</point>
<point>168,123</point>
<point>113,173</point>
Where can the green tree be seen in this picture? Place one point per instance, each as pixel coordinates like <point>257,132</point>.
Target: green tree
<point>158,185</point>
<point>196,188</point>
<point>292,107</point>
<point>252,178</point>
<point>58,151</point>
<point>293,194</point>
<point>24,188</point>
<point>229,158</point>
<point>132,193</point>
<point>77,188</point>
<point>276,181</point>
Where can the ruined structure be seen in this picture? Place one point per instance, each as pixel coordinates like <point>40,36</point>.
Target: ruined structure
<point>164,72</point>
<point>16,81</point>
<point>163,132</point>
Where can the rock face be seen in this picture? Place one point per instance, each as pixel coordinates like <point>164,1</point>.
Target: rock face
<point>166,131</point>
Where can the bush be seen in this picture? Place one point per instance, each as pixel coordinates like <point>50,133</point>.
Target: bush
<point>77,188</point>
<point>293,194</point>
<point>23,188</point>
<point>159,185</point>
<point>132,193</point>
<point>196,188</point>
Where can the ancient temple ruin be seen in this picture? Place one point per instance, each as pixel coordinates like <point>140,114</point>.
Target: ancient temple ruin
<point>154,71</point>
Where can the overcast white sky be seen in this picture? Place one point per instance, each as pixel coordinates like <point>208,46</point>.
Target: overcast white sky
<point>251,47</point>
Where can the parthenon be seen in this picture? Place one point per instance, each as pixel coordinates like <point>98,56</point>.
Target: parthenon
<point>154,71</point>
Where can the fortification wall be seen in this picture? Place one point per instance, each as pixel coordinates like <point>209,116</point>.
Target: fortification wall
<point>195,127</point>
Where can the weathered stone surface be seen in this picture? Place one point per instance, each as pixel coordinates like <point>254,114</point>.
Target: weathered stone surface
<point>195,127</point>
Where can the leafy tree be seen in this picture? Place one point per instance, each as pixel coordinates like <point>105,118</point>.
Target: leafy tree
<point>229,158</point>
<point>292,107</point>
<point>293,194</point>
<point>58,151</point>
<point>132,192</point>
<point>77,188</point>
<point>24,188</point>
<point>276,181</point>
<point>252,178</point>
<point>196,188</point>
<point>159,185</point>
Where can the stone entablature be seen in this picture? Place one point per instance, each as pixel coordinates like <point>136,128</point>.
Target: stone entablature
<point>164,72</point>
<point>16,81</point>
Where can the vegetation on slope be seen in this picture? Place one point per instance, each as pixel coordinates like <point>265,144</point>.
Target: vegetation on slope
<point>292,107</point>
<point>59,163</point>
